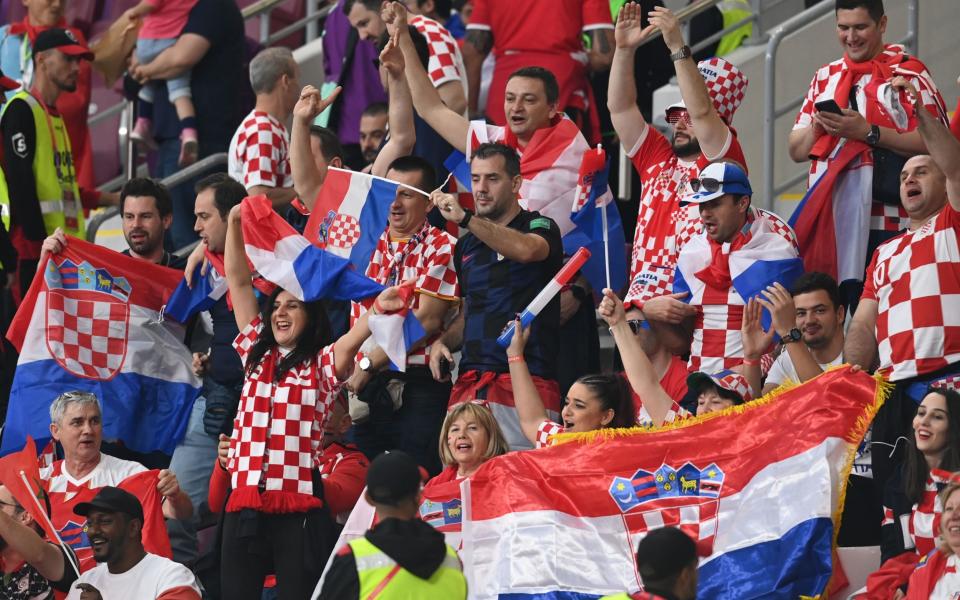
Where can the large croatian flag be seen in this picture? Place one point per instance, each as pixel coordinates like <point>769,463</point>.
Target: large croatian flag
<point>756,486</point>
<point>90,322</point>
<point>350,214</point>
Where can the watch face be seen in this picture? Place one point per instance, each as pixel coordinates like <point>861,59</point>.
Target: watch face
<point>365,364</point>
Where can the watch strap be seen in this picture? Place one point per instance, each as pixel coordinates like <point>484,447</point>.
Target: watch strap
<point>681,54</point>
<point>467,215</point>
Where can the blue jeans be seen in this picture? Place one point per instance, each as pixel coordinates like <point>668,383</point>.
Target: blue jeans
<point>177,87</point>
<point>181,233</point>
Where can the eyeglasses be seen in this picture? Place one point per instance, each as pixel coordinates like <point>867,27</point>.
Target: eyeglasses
<point>707,184</point>
<point>675,115</point>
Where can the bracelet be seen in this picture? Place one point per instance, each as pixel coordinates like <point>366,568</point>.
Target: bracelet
<point>377,308</point>
<point>465,221</point>
<point>515,359</point>
<point>681,54</point>
<point>751,362</point>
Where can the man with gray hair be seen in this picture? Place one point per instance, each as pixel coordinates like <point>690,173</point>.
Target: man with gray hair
<point>76,423</point>
<point>259,156</point>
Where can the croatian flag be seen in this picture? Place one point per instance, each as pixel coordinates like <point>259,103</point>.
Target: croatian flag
<point>350,214</point>
<point>90,321</point>
<point>757,487</point>
<point>603,237</point>
<point>396,332</point>
<point>206,291</point>
<point>284,257</point>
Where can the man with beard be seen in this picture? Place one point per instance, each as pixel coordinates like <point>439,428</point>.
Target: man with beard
<point>373,130</point>
<point>711,92</point>
<point>125,569</point>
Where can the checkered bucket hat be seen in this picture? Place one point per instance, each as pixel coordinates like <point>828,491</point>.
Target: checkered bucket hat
<point>726,85</point>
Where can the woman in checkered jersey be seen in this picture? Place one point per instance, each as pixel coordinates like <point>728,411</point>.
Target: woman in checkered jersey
<point>912,507</point>
<point>275,517</point>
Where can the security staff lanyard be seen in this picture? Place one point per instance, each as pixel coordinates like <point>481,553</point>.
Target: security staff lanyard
<point>69,201</point>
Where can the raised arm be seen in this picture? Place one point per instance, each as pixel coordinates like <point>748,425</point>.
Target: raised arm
<point>451,126</point>
<point>512,244</point>
<point>46,558</point>
<point>860,346</point>
<point>403,135</point>
<point>306,178</point>
<point>346,347</point>
<point>712,133</point>
<point>244,299</point>
<point>475,49</point>
<point>942,146</point>
<point>640,372</point>
<point>601,49</point>
<point>778,301</point>
<point>627,119</point>
<point>526,398</point>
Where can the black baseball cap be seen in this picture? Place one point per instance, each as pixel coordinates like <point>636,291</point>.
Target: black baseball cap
<point>393,477</point>
<point>112,500</point>
<point>63,40</point>
<point>7,84</point>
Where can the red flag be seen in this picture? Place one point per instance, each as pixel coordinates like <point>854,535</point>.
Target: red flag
<point>154,533</point>
<point>27,493</point>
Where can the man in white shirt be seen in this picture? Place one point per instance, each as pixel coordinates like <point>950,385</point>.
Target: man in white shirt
<point>125,569</point>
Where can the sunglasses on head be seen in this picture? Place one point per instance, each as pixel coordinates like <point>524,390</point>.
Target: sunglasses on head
<point>707,184</point>
<point>675,115</point>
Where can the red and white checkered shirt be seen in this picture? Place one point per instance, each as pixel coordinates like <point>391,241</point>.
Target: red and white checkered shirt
<point>662,224</point>
<point>259,152</point>
<point>445,62</point>
<point>426,257</point>
<point>279,425</point>
<point>676,413</point>
<point>887,217</point>
<point>915,279</point>
<point>824,87</point>
<point>545,430</point>
<point>923,522</point>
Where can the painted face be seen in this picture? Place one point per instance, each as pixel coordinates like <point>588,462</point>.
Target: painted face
<point>817,318</point>
<point>526,107</point>
<point>80,432</point>
<point>210,226</point>
<point>143,227</point>
<point>409,208</point>
<point>723,217</point>
<point>710,401</point>
<point>467,440</point>
<point>860,36</point>
<point>931,425</point>
<point>289,319</point>
<point>584,411</point>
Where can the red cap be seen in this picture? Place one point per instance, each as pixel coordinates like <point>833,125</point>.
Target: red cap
<point>7,84</point>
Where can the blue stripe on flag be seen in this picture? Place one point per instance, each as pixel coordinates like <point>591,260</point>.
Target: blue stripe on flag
<point>763,273</point>
<point>186,302</point>
<point>457,164</point>
<point>147,413</point>
<point>325,275</point>
<point>373,220</point>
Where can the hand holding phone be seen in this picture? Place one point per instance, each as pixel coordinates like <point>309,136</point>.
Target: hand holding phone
<point>829,106</point>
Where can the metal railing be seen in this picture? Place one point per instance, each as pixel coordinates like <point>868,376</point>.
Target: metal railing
<point>171,181</point>
<point>772,112</point>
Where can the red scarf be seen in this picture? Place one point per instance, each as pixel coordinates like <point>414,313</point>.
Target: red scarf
<point>717,273</point>
<point>32,31</point>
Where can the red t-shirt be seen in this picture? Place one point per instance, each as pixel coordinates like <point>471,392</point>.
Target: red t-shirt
<point>546,25</point>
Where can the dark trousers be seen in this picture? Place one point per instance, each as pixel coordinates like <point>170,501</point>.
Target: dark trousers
<point>415,427</point>
<point>256,544</point>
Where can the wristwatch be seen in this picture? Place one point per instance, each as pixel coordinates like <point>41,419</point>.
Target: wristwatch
<point>365,364</point>
<point>873,138</point>
<point>794,336</point>
<point>467,215</point>
<point>681,54</point>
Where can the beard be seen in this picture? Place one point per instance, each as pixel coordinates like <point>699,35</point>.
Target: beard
<point>691,148</point>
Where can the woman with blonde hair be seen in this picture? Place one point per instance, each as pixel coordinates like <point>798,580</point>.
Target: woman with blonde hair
<point>937,576</point>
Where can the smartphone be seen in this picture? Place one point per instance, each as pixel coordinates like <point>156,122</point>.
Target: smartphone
<point>445,367</point>
<point>829,106</point>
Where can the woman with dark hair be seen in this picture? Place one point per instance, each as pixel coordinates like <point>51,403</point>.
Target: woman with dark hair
<point>912,506</point>
<point>293,371</point>
<point>593,401</point>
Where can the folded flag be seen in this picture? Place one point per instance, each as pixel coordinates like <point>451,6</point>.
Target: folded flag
<point>90,321</point>
<point>350,214</point>
<point>600,233</point>
<point>206,291</point>
<point>282,256</point>
<point>755,485</point>
<point>143,485</point>
<point>20,474</point>
<point>396,332</point>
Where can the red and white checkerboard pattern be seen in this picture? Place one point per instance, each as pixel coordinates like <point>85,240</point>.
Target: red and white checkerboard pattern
<point>676,413</point>
<point>445,62</point>
<point>279,424</point>
<point>717,343</point>
<point>886,217</point>
<point>428,258</point>
<point>915,279</point>
<point>87,337</point>
<point>546,429</point>
<point>344,231</point>
<point>696,519</point>
<point>923,522</point>
<point>726,85</point>
<point>259,152</point>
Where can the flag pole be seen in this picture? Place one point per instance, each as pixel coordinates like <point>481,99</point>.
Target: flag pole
<point>66,551</point>
<point>606,234</point>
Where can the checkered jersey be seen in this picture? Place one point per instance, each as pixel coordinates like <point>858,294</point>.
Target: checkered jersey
<point>279,424</point>
<point>545,431</point>
<point>445,62</point>
<point>915,279</point>
<point>922,524</point>
<point>886,217</point>
<point>426,257</point>
<point>676,413</point>
<point>259,152</point>
<point>824,87</point>
<point>662,224</point>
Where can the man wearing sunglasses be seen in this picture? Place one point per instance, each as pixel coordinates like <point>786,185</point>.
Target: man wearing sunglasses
<point>740,251</point>
<point>711,91</point>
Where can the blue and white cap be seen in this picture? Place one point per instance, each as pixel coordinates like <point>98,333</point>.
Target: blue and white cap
<point>717,179</point>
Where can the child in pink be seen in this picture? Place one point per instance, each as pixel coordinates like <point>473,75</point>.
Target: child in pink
<point>163,21</point>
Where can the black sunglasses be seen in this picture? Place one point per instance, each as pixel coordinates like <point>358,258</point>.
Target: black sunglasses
<point>709,185</point>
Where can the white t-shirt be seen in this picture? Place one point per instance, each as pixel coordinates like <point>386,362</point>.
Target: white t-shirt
<point>782,368</point>
<point>153,578</point>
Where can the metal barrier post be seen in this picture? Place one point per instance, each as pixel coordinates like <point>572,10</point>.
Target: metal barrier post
<point>265,27</point>
<point>129,156</point>
<point>913,27</point>
<point>311,25</point>
<point>625,174</point>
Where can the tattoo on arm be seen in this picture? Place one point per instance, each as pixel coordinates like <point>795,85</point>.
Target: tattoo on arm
<point>600,41</point>
<point>481,40</point>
